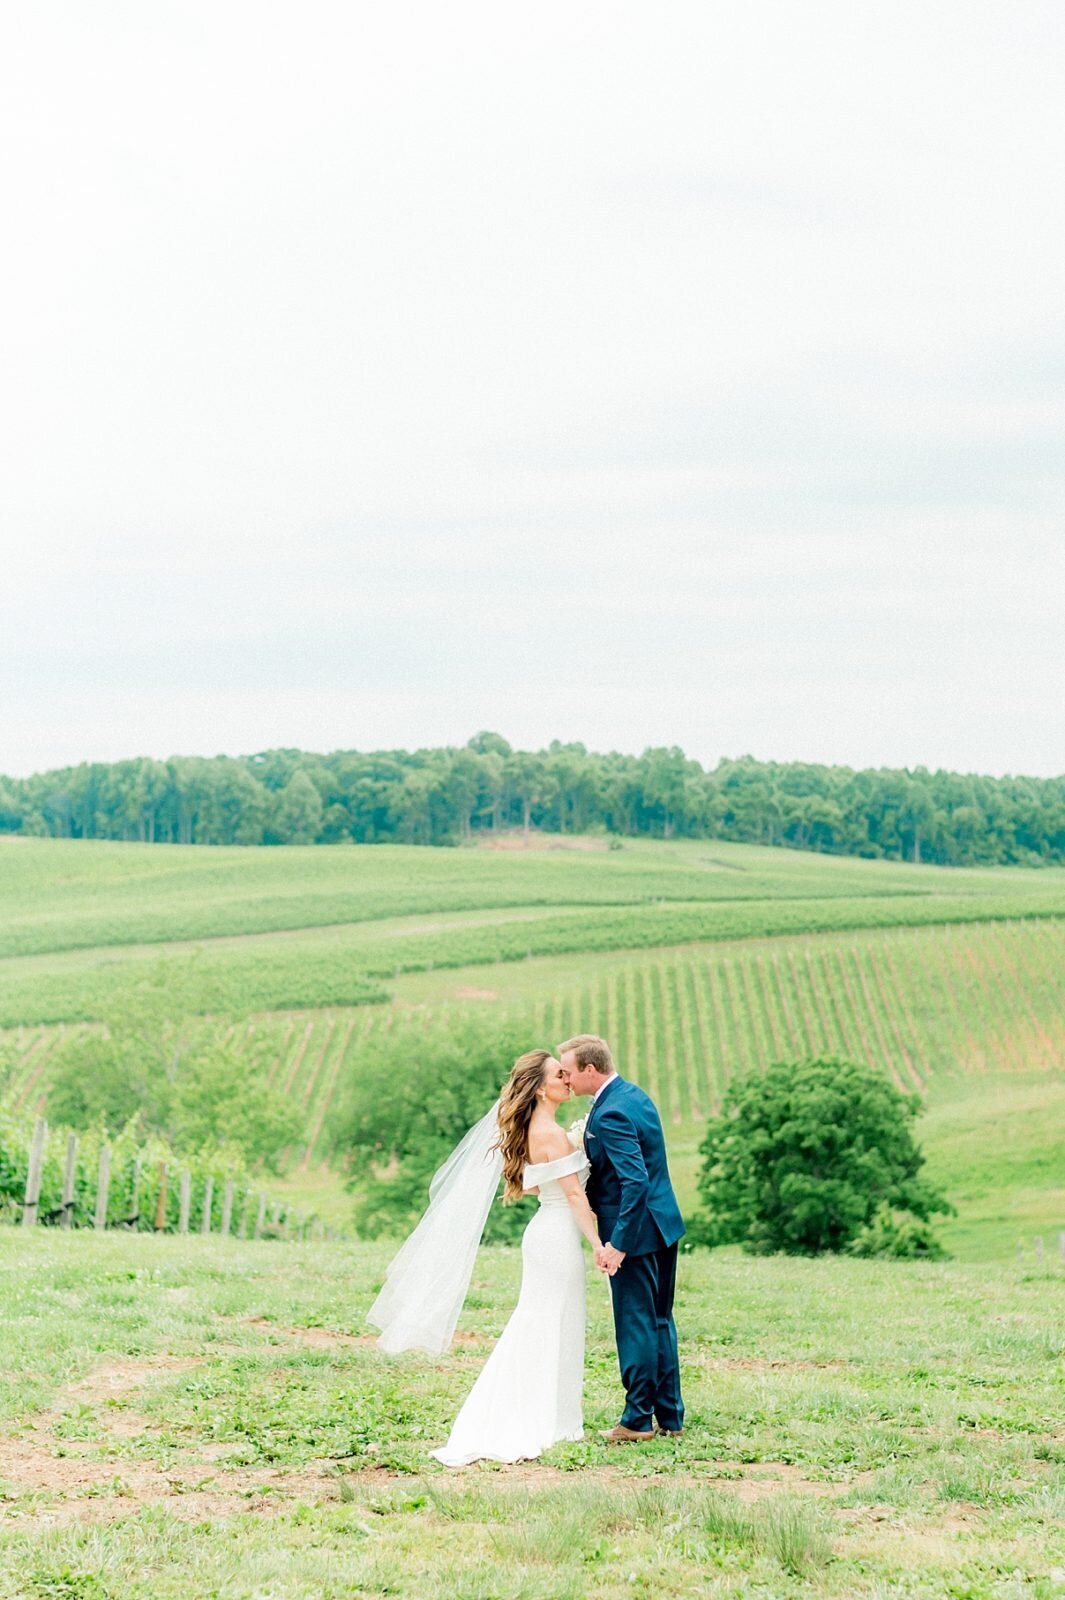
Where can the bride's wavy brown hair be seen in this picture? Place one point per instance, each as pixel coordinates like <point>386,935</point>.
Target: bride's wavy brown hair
<point>517,1102</point>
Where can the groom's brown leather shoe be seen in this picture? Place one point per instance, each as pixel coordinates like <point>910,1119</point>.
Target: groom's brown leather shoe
<point>623,1435</point>
<point>668,1433</point>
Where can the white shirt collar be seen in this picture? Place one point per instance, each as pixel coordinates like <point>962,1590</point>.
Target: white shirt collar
<point>602,1086</point>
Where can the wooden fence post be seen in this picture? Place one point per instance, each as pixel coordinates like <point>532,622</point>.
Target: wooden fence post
<point>261,1218</point>
<point>33,1173</point>
<point>133,1220</point>
<point>227,1207</point>
<point>208,1200</point>
<point>160,1203</point>
<point>275,1219</point>
<point>1038,1242</point>
<point>245,1209</point>
<point>68,1179</point>
<point>103,1183</point>
<point>186,1200</point>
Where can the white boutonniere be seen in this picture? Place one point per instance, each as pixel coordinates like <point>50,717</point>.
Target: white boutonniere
<point>575,1133</point>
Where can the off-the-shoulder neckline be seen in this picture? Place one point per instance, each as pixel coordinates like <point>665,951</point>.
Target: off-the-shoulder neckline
<point>560,1157</point>
<point>531,1166</point>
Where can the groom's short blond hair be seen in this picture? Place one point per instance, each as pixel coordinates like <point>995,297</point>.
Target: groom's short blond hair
<point>591,1051</point>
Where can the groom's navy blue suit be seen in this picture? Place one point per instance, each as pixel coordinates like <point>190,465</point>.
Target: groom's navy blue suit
<point>630,1192</point>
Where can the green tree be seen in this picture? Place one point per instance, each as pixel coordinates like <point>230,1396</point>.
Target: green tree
<point>527,784</point>
<point>490,795</point>
<point>411,807</point>
<point>297,811</point>
<point>802,1159</point>
<point>106,1079</point>
<point>484,743</point>
<point>464,780</point>
<point>222,1100</point>
<point>575,776</point>
<point>666,791</point>
<point>10,809</point>
<point>407,1104</point>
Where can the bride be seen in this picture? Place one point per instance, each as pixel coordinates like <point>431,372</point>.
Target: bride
<point>528,1395</point>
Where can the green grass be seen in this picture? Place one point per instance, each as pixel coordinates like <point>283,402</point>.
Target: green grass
<point>62,894</point>
<point>188,1418</point>
<point>273,929</point>
<point>998,1146</point>
<point>196,1418</point>
<point>217,980</point>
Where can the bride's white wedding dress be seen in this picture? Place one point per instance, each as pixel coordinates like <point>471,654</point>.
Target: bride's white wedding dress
<point>528,1395</point>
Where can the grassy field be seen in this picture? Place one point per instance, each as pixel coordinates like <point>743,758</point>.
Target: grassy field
<point>198,1418</point>
<point>998,1147</point>
<point>699,961</point>
<point>194,1418</point>
<point>314,927</point>
<point>64,895</point>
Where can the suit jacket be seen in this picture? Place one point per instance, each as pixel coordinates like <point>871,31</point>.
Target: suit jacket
<point>628,1187</point>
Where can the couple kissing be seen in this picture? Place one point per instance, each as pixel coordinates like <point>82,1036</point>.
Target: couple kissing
<point>608,1180</point>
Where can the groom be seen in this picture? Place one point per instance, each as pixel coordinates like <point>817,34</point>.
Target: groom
<point>640,1224</point>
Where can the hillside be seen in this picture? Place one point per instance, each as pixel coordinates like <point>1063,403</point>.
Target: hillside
<point>318,926</point>
<point>698,961</point>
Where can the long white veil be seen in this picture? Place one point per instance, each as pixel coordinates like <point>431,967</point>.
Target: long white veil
<point>426,1283</point>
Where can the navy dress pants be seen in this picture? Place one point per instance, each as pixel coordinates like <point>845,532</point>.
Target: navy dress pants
<point>642,1294</point>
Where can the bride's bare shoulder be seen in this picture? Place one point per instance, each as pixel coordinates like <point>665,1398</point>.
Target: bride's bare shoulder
<point>547,1144</point>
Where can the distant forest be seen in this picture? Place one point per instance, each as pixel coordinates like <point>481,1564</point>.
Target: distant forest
<point>446,796</point>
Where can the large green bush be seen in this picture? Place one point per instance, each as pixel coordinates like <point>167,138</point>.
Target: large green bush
<point>809,1157</point>
<point>221,1099</point>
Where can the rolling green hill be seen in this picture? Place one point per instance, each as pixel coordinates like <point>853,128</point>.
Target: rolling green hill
<point>698,961</point>
<point>62,895</point>
<point>314,927</point>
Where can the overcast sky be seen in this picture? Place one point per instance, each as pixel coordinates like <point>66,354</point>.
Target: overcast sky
<point>637,374</point>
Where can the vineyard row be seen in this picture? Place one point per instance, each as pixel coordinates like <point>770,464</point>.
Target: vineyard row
<point>922,1004</point>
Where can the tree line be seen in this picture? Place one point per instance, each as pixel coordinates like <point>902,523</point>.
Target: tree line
<point>447,795</point>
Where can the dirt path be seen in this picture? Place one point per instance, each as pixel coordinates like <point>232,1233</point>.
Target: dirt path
<point>48,1477</point>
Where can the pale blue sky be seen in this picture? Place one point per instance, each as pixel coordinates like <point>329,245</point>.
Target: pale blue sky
<point>640,375</point>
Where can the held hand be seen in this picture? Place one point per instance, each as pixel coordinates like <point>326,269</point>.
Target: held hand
<point>600,1257</point>
<point>612,1259</point>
